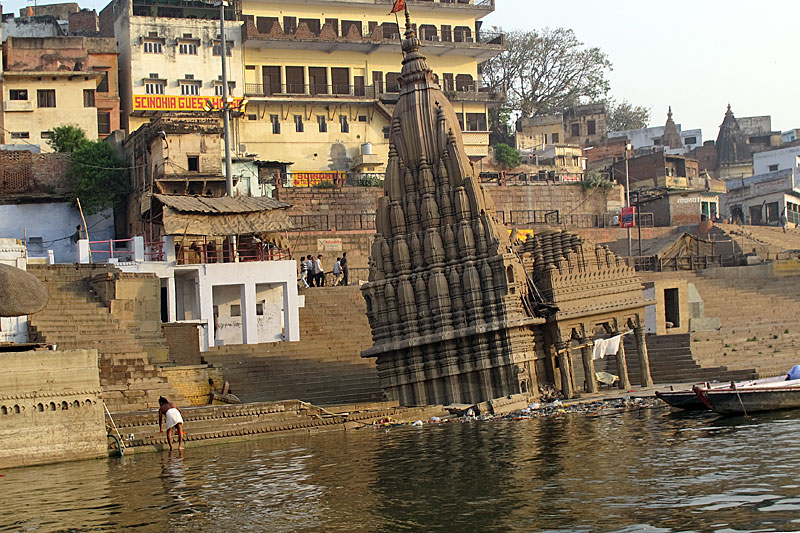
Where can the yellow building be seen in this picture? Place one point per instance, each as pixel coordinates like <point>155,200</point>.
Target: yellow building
<point>321,77</point>
<point>35,102</point>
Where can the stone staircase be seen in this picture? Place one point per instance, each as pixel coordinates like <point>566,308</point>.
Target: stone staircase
<point>76,318</point>
<point>324,368</point>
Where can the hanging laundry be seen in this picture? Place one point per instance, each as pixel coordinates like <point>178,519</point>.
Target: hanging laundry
<point>599,350</point>
<point>612,345</point>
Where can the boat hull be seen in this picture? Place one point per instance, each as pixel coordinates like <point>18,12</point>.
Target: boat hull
<point>745,402</point>
<point>686,400</point>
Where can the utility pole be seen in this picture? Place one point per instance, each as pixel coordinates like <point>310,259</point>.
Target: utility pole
<point>628,147</point>
<point>226,110</point>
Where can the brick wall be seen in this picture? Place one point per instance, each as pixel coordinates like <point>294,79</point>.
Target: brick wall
<point>356,244</point>
<point>192,382</point>
<point>84,21</point>
<point>183,341</point>
<point>23,172</point>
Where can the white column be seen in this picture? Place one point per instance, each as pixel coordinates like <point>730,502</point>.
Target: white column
<point>329,76</point>
<point>82,256</point>
<point>169,248</point>
<point>206,303</point>
<point>249,318</point>
<point>291,316</point>
<point>138,249</point>
<point>307,81</point>
<point>172,305</point>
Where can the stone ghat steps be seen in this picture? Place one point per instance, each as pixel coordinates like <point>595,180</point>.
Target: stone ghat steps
<point>76,318</point>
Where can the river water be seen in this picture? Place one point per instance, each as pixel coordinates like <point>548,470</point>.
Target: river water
<point>649,470</point>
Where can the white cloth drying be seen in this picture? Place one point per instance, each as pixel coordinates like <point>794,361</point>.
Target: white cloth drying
<point>604,347</point>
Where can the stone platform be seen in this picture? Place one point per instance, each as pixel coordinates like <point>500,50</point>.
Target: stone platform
<point>216,424</point>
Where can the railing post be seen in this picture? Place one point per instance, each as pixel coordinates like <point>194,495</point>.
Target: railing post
<point>82,256</point>
<point>110,248</point>
<point>138,249</point>
<point>168,251</point>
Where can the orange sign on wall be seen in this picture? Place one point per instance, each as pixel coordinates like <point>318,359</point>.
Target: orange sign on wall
<point>165,102</point>
<point>309,179</point>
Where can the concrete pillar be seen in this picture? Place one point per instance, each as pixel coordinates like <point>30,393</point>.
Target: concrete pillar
<point>284,85</point>
<point>566,370</point>
<point>329,79</point>
<point>622,366</point>
<point>291,317</point>
<point>172,304</point>
<point>588,365</point>
<point>168,243</point>
<point>205,299</point>
<point>307,81</point>
<point>644,360</point>
<point>138,249</point>
<point>249,317</point>
<point>82,252</point>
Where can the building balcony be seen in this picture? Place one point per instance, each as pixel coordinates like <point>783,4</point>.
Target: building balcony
<point>479,6</point>
<point>10,106</point>
<point>384,38</point>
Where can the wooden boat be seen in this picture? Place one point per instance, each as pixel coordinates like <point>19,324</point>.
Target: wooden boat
<point>751,398</point>
<point>689,400</point>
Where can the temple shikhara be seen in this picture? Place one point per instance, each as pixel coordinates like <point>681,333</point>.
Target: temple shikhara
<point>458,312</point>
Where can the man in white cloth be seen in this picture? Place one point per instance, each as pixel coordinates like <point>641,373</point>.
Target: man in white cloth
<point>172,414</point>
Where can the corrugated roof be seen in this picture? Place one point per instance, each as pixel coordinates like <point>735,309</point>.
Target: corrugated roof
<point>220,206</point>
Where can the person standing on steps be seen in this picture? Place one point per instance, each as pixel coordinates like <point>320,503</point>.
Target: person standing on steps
<point>337,271</point>
<point>303,272</point>
<point>172,414</point>
<point>310,268</point>
<point>343,263</point>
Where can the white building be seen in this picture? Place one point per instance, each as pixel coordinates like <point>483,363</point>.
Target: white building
<point>169,56</point>
<point>760,200</point>
<point>773,160</point>
<point>651,138</point>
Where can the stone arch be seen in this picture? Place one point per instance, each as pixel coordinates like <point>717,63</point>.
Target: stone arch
<point>16,409</point>
<point>510,274</point>
<point>76,403</point>
<point>4,410</point>
<point>89,401</point>
<point>428,32</point>
<point>52,406</point>
<point>64,406</point>
<point>462,34</point>
<point>368,299</point>
<point>40,407</point>
<point>464,82</point>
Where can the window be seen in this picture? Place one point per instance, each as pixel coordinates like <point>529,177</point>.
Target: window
<point>344,124</point>
<point>20,135</point>
<point>102,87</point>
<point>46,97</point>
<point>187,49</point>
<point>591,127</point>
<point>193,163</point>
<point>690,140</point>
<point>323,126</point>
<point>476,122</point>
<point>362,118</point>
<point>298,123</point>
<point>576,130</point>
<point>190,89</point>
<point>103,122</point>
<point>218,87</point>
<point>217,50</point>
<point>88,98</point>
<point>236,310</point>
<point>773,168</point>
<point>153,47</point>
<point>260,308</point>
<point>18,94</point>
<point>46,135</point>
<point>155,87</point>
<point>555,138</point>
<point>386,132</point>
<point>276,125</point>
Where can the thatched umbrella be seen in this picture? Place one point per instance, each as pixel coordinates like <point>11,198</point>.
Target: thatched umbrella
<point>20,293</point>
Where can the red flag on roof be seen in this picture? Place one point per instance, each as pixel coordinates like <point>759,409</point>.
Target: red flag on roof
<point>399,5</point>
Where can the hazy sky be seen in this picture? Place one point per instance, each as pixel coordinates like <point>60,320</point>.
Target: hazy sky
<point>696,55</point>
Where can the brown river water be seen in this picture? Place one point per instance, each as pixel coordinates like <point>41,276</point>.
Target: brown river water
<point>650,470</point>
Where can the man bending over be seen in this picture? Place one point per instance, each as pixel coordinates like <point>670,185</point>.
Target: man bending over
<point>172,414</point>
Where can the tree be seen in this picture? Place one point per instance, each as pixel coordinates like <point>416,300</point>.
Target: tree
<point>507,156</point>
<point>546,71</point>
<point>98,176</point>
<point>626,116</point>
<point>67,138</point>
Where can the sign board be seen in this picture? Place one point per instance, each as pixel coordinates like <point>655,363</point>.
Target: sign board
<point>309,179</point>
<point>165,102</point>
<point>628,218</point>
<point>329,245</point>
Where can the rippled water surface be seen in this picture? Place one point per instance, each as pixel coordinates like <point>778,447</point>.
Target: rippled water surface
<point>648,470</point>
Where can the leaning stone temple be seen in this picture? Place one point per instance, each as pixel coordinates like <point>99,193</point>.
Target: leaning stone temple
<point>454,307</point>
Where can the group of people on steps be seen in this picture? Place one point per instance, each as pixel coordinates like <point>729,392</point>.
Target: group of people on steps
<point>312,272</point>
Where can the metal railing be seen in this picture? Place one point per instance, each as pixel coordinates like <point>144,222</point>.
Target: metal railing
<point>793,217</point>
<point>653,263</point>
<point>534,216</point>
<point>207,252</point>
<point>114,248</point>
<point>298,90</point>
<point>154,251</point>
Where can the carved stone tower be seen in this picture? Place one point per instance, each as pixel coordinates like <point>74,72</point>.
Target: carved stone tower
<point>445,292</point>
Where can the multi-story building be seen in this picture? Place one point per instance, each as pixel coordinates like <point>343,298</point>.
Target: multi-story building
<point>54,81</point>
<point>169,56</point>
<point>321,77</point>
<point>582,125</point>
<point>654,138</point>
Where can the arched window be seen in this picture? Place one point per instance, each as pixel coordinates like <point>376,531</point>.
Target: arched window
<point>510,274</point>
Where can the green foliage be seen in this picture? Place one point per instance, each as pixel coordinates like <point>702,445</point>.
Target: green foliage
<point>67,138</point>
<point>370,180</point>
<point>507,156</point>
<point>98,176</point>
<point>626,116</point>
<point>595,179</point>
<point>324,185</point>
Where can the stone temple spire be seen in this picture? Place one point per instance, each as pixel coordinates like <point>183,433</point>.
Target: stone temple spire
<point>671,138</point>
<point>732,147</point>
<point>445,291</point>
